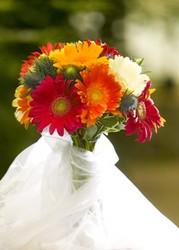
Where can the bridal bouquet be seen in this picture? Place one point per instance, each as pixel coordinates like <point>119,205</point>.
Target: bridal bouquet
<point>64,191</point>
<point>86,88</point>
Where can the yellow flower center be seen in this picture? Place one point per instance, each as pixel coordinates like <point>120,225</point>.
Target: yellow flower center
<point>141,111</point>
<point>60,106</point>
<point>96,95</point>
<point>71,70</point>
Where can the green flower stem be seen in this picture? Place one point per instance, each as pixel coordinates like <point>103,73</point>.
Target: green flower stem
<point>79,177</point>
<point>82,143</point>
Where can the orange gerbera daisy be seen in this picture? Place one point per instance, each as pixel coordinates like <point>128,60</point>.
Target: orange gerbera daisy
<point>80,54</point>
<point>22,104</point>
<point>100,92</point>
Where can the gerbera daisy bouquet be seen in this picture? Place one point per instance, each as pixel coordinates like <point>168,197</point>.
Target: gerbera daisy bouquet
<point>64,191</point>
<point>86,89</point>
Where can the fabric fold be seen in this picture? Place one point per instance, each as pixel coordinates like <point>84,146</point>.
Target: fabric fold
<point>43,208</point>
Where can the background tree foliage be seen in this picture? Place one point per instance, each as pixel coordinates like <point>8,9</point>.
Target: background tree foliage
<point>26,25</point>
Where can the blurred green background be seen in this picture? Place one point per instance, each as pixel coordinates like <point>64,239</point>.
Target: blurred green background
<point>137,28</point>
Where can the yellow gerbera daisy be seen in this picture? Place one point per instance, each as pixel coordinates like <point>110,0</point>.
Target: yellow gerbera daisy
<point>80,54</point>
<point>22,104</point>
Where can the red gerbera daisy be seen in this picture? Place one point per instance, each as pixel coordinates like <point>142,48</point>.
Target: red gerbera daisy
<point>50,47</point>
<point>28,63</point>
<point>146,119</point>
<point>107,50</point>
<point>56,104</point>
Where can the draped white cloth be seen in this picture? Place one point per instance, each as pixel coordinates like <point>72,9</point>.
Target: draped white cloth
<point>41,207</point>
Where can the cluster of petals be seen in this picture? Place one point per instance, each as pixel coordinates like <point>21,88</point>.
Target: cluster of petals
<point>22,104</point>
<point>81,55</point>
<point>100,92</point>
<point>129,74</point>
<point>87,81</point>
<point>146,119</point>
<point>56,104</point>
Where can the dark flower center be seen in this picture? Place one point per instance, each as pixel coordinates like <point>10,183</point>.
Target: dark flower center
<point>61,106</point>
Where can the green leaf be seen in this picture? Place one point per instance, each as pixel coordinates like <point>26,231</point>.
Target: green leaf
<point>139,61</point>
<point>117,128</point>
<point>109,121</point>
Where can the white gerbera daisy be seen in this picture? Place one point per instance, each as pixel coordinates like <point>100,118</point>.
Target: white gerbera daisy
<point>128,73</point>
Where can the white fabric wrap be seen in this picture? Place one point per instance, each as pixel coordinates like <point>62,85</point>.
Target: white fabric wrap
<point>58,197</point>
